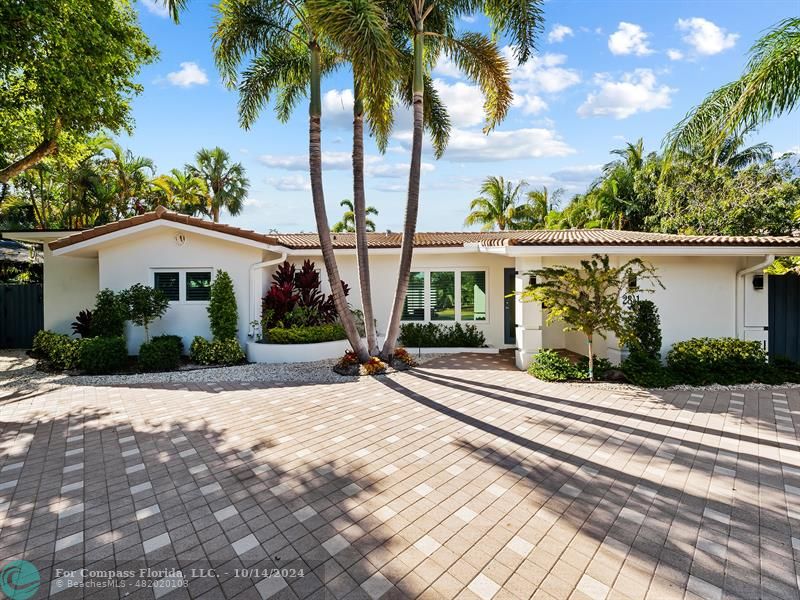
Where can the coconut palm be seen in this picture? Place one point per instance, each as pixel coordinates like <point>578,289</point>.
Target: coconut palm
<point>225,182</point>
<point>433,31</point>
<point>183,191</point>
<point>131,175</point>
<point>348,222</point>
<point>497,207</point>
<point>768,88</point>
<point>538,208</point>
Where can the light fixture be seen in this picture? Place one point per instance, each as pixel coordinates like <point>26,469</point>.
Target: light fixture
<point>758,282</point>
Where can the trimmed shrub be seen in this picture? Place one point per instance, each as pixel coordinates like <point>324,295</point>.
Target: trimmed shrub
<point>549,365</point>
<point>102,354</point>
<point>646,371</point>
<point>726,361</point>
<point>162,353</point>
<point>216,352</point>
<point>645,327</point>
<point>434,335</point>
<point>60,350</point>
<point>783,370</point>
<point>109,314</point>
<point>222,312</point>
<point>43,341</point>
<point>306,335</point>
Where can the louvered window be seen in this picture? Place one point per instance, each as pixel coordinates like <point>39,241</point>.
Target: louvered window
<point>169,283</point>
<point>414,307</point>
<point>198,286</point>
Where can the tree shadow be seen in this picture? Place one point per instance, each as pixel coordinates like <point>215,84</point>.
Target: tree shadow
<point>239,510</point>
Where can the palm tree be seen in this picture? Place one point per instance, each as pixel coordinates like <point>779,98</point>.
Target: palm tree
<point>477,55</point>
<point>183,191</point>
<point>226,183</point>
<point>348,222</point>
<point>132,175</point>
<point>497,207</point>
<point>538,208</point>
<point>768,88</point>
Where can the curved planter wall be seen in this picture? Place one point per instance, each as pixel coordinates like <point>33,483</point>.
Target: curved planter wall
<point>294,353</point>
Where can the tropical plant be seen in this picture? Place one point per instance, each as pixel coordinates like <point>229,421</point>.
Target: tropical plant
<point>539,209</point>
<point>82,325</point>
<point>145,305</point>
<point>589,298</point>
<point>182,191</point>
<point>226,182</point>
<point>498,206</point>
<point>50,93</point>
<point>768,88</point>
<point>347,224</point>
<point>222,311</point>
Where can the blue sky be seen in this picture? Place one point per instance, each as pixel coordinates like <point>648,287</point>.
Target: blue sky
<point>605,73</point>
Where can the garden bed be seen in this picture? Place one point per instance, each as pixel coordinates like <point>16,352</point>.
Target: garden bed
<point>413,351</point>
<point>258,352</point>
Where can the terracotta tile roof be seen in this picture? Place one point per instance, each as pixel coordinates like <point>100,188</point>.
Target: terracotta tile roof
<point>560,237</point>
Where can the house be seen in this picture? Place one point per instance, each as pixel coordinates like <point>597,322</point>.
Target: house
<point>714,284</point>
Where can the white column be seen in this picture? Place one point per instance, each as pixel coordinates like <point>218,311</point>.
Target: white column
<point>528,315</point>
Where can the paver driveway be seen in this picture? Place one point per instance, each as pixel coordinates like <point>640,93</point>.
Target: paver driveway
<point>446,482</point>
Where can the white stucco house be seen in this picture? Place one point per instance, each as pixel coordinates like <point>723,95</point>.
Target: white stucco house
<point>714,285</point>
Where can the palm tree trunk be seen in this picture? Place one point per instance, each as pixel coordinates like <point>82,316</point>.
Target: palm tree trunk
<point>412,201</point>
<point>215,213</point>
<point>320,214</point>
<point>360,217</point>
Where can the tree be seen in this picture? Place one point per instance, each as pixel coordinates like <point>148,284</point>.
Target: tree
<point>348,221</point>
<point>539,209</point>
<point>183,191</point>
<point>589,298</point>
<point>497,207</point>
<point>225,182</point>
<point>222,310</point>
<point>768,88</point>
<point>145,305</point>
<point>67,67</point>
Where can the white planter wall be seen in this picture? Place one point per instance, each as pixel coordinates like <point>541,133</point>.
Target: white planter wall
<point>295,353</point>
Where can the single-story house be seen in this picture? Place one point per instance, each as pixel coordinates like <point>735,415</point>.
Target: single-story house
<point>714,285</point>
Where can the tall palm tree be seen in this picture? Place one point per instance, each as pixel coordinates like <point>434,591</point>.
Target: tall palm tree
<point>497,207</point>
<point>534,213</point>
<point>183,191</point>
<point>768,88</point>
<point>226,182</point>
<point>132,176</point>
<point>433,31</point>
<point>347,224</point>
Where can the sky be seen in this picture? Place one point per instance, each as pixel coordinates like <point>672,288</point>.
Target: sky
<point>605,73</point>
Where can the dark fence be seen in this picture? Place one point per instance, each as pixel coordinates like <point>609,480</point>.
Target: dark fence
<point>21,314</point>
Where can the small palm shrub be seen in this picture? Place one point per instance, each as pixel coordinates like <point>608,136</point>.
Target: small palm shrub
<point>222,311</point>
<point>216,352</point>
<point>82,325</point>
<point>109,314</point>
<point>102,354</point>
<point>162,353</point>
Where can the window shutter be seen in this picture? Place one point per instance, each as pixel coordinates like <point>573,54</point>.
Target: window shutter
<point>198,286</point>
<point>414,307</point>
<point>167,283</point>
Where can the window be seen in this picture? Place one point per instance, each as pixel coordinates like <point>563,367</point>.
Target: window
<point>443,296</point>
<point>473,295</point>
<point>198,286</point>
<point>184,285</point>
<point>169,283</point>
<point>446,295</point>
<point>414,306</point>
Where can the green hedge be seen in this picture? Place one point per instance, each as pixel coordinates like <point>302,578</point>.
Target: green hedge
<point>162,353</point>
<point>216,352</point>
<point>306,335</point>
<point>726,361</point>
<point>549,365</point>
<point>102,354</point>
<point>433,335</point>
<point>60,350</point>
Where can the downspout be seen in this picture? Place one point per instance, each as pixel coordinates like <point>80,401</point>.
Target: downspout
<point>254,295</point>
<point>740,296</point>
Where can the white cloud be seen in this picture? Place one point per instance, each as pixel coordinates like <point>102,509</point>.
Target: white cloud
<point>291,183</point>
<point>577,173</point>
<point>156,7</point>
<point>474,146</point>
<point>445,67</point>
<point>706,37</point>
<point>464,102</point>
<point>629,38</point>
<point>634,92</point>
<point>542,73</point>
<point>394,170</point>
<point>530,104</point>
<point>674,54</point>
<point>189,74</point>
<point>337,108</point>
<point>374,166</point>
<point>558,33</point>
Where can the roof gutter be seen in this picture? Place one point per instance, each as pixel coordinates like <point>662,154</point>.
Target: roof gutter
<point>740,292</point>
<point>254,295</point>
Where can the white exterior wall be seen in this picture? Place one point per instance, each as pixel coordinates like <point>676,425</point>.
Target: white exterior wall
<point>383,273</point>
<point>132,260</point>
<point>70,286</point>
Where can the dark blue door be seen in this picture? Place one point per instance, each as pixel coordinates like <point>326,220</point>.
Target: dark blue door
<point>509,327</point>
<point>784,316</point>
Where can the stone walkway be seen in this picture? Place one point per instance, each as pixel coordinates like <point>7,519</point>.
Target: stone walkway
<point>444,482</point>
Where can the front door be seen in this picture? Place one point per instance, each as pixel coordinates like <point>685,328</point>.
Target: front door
<point>509,326</point>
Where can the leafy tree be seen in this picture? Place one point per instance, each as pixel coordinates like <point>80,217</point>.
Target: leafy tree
<point>348,221</point>
<point>145,305</point>
<point>589,298</point>
<point>225,182</point>
<point>67,68</point>
<point>498,206</point>
<point>222,309</point>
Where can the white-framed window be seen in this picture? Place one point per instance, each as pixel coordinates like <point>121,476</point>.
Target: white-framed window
<point>184,286</point>
<point>447,295</point>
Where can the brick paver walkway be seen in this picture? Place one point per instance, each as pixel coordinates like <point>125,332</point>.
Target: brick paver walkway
<point>445,482</point>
